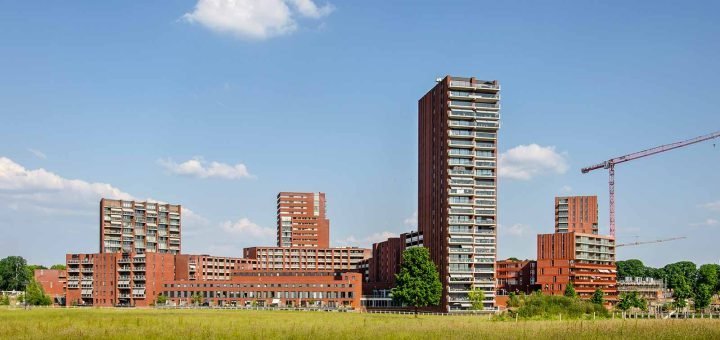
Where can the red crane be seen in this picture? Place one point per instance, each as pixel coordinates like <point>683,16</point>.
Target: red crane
<point>610,165</point>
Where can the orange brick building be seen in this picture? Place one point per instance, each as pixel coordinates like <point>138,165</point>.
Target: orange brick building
<point>308,259</point>
<point>515,276</point>
<point>280,289</point>
<point>302,220</point>
<point>586,260</point>
<point>576,214</point>
<point>53,282</point>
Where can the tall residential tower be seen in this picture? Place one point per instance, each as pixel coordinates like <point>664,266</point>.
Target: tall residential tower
<point>139,227</point>
<point>457,198</point>
<point>301,220</point>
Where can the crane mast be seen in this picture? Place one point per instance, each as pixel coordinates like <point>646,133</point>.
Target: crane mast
<point>610,165</point>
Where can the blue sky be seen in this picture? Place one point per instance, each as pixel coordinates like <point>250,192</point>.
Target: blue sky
<point>322,96</point>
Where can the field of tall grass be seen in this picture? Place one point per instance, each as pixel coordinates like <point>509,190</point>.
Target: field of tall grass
<point>233,324</point>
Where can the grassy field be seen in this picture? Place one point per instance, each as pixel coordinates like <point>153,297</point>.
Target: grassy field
<point>228,324</point>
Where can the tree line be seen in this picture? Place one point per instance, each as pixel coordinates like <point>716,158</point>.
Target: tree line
<point>686,280</point>
<point>17,275</point>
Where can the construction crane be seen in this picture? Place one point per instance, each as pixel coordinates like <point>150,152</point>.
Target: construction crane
<point>636,243</point>
<point>610,165</point>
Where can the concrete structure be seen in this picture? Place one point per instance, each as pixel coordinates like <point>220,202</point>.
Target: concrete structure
<point>515,276</point>
<point>306,259</point>
<point>302,221</point>
<point>139,227</point>
<point>283,289</point>
<point>653,290</point>
<point>53,282</point>
<point>586,260</point>
<point>457,189</point>
<point>576,214</point>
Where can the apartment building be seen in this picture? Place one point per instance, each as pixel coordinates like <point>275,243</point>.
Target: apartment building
<point>210,268</point>
<point>585,260</point>
<point>117,279</point>
<point>457,189</point>
<point>380,268</point>
<point>139,227</point>
<point>305,259</point>
<point>53,282</point>
<point>302,221</point>
<point>276,289</point>
<point>576,214</point>
<point>651,289</point>
<point>516,276</point>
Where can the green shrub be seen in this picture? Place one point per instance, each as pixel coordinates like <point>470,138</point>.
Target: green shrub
<point>551,306</point>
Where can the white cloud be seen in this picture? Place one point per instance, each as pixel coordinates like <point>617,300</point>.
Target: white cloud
<point>517,230</point>
<point>367,241</point>
<point>37,153</point>
<point>309,9</point>
<point>524,162</point>
<point>411,221</point>
<point>247,228</point>
<point>197,167</point>
<point>47,192</point>
<point>707,223</point>
<point>715,206</point>
<point>254,19</point>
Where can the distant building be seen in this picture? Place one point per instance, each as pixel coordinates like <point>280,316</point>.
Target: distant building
<point>302,220</point>
<point>384,263</point>
<point>516,276</point>
<point>53,282</point>
<point>653,290</point>
<point>457,185</point>
<point>139,227</point>
<point>585,260</point>
<point>576,214</point>
<point>306,259</point>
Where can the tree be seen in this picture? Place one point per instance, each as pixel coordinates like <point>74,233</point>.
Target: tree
<point>196,298</point>
<point>418,282</point>
<point>13,273</point>
<point>631,300</point>
<point>703,296</point>
<point>58,267</point>
<point>598,297</point>
<point>682,290</point>
<point>679,274</point>
<point>513,300</point>
<point>4,300</point>
<point>162,299</point>
<point>570,290</point>
<point>707,274</point>
<point>630,268</point>
<point>477,296</point>
<point>513,259</point>
<point>35,295</point>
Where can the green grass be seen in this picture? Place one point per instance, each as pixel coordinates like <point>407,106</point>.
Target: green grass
<point>228,324</point>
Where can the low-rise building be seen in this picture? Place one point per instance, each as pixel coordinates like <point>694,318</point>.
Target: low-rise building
<point>269,288</point>
<point>652,290</point>
<point>53,282</point>
<point>306,259</point>
<point>516,276</point>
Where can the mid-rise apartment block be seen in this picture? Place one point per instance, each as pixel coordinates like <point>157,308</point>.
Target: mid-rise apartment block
<point>380,268</point>
<point>585,260</point>
<point>210,268</point>
<point>516,276</point>
<point>302,221</point>
<point>139,227</point>
<point>117,279</point>
<point>457,189</point>
<point>576,214</point>
<point>306,259</point>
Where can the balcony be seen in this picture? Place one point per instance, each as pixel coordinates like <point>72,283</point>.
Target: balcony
<point>124,268</point>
